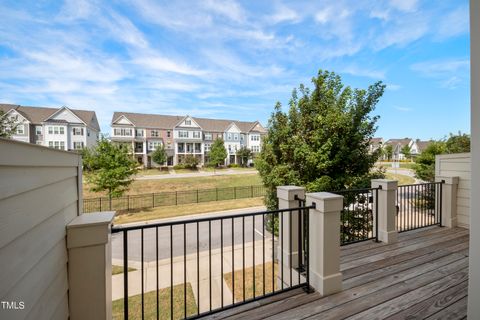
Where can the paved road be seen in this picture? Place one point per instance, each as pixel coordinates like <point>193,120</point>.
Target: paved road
<point>207,232</point>
<point>196,174</point>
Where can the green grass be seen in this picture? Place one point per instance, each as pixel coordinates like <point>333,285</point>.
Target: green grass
<point>402,179</point>
<point>180,184</point>
<point>269,275</point>
<point>187,209</point>
<point>186,170</point>
<point>119,269</point>
<point>150,304</point>
<point>407,165</point>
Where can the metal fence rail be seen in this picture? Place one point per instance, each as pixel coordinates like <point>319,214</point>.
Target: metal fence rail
<point>152,200</point>
<point>357,221</point>
<point>419,206</point>
<point>198,256</point>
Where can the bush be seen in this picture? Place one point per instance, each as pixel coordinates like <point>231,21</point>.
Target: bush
<point>191,161</point>
<point>179,166</point>
<point>234,165</point>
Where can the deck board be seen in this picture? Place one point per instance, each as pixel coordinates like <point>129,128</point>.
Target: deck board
<point>424,275</point>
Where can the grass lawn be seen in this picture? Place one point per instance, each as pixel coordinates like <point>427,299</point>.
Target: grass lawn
<point>150,304</point>
<point>119,269</point>
<point>249,281</point>
<point>179,184</point>
<point>402,179</point>
<point>186,209</point>
<point>186,170</point>
<point>407,165</point>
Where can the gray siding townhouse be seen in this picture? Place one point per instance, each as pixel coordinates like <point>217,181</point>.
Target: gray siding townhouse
<point>183,135</point>
<point>59,128</point>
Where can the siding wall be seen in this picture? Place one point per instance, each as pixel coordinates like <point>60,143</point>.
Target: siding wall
<point>39,196</point>
<point>459,164</point>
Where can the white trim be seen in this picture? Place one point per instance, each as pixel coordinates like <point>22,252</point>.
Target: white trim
<point>191,118</point>
<point>69,110</point>
<point>18,113</point>
<point>124,117</point>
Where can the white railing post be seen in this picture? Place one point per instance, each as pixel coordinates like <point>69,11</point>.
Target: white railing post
<point>90,266</point>
<point>449,200</point>
<point>387,211</point>
<point>324,242</point>
<point>288,229</point>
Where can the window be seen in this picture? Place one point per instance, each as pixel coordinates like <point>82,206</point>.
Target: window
<point>169,134</point>
<point>207,147</point>
<point>77,131</point>
<point>169,145</point>
<point>208,136</point>
<point>60,145</point>
<point>189,147</point>
<point>255,137</point>
<point>196,134</point>
<point>229,136</point>
<point>38,130</point>
<point>88,132</point>
<point>139,132</point>
<point>154,133</point>
<point>188,122</point>
<point>21,129</point>
<point>255,148</point>
<point>39,142</point>
<point>181,147</point>
<point>198,147</point>
<point>50,130</point>
<point>78,145</point>
<point>183,134</point>
<point>154,145</point>
<point>122,132</point>
<point>235,136</point>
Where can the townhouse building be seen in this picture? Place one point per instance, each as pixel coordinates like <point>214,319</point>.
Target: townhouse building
<point>183,135</point>
<point>59,128</point>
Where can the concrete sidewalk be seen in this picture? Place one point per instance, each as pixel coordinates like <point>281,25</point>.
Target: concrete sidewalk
<point>200,285</point>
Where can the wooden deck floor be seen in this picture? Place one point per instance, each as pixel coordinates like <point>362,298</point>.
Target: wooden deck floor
<point>422,276</point>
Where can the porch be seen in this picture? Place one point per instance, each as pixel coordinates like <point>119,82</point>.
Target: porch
<point>423,275</point>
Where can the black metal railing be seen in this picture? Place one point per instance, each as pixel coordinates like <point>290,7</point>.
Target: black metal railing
<point>419,206</point>
<point>201,266</point>
<point>153,200</point>
<point>357,220</point>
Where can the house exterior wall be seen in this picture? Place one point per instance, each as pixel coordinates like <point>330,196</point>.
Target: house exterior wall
<point>474,256</point>
<point>458,165</point>
<point>40,194</point>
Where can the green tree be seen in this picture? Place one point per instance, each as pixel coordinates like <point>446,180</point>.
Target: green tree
<point>109,167</point>
<point>217,153</point>
<point>458,143</point>
<point>389,151</point>
<point>407,151</point>
<point>244,154</point>
<point>159,156</point>
<point>322,142</point>
<point>425,163</point>
<point>7,125</point>
<point>191,161</point>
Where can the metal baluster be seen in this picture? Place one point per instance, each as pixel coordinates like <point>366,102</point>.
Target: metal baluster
<point>243,252</point>
<point>185,270</point>
<point>233,263</point>
<point>171,272</point>
<point>143,289</point>
<point>198,268</point>
<point>210,261</point>
<point>156,256</point>
<point>125,275</point>
<point>263,239</point>
<point>221,257</point>
<point>253,254</point>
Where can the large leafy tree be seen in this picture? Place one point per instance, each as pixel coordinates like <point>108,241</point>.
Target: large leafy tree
<point>109,167</point>
<point>7,125</point>
<point>159,156</point>
<point>217,153</point>
<point>322,142</point>
<point>389,151</point>
<point>244,154</point>
<point>425,163</point>
<point>407,151</point>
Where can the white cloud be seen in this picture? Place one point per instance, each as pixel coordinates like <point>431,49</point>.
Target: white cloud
<point>440,67</point>
<point>363,72</point>
<point>403,109</point>
<point>227,8</point>
<point>454,23</point>
<point>284,14</point>
<point>393,87</point>
<point>404,5</point>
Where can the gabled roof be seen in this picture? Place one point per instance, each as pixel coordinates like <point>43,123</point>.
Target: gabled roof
<point>169,122</point>
<point>422,145</point>
<point>37,115</point>
<point>375,141</point>
<point>401,142</point>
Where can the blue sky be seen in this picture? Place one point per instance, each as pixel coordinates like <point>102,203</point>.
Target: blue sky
<point>235,59</point>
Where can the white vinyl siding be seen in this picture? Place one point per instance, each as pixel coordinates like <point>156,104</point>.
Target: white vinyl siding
<point>42,198</point>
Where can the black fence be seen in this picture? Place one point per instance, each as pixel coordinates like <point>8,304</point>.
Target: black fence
<point>357,222</point>
<point>153,200</point>
<point>419,206</point>
<point>191,259</point>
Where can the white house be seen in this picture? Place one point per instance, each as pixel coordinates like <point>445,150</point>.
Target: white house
<point>62,128</point>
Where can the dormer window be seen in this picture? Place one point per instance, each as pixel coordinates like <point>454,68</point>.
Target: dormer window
<point>188,122</point>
